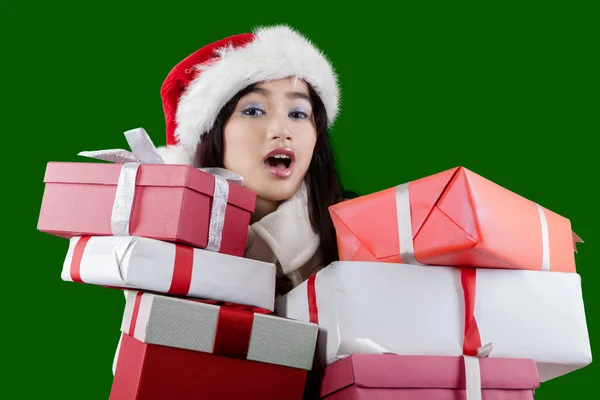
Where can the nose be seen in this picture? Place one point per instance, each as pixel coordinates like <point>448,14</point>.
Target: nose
<point>278,129</point>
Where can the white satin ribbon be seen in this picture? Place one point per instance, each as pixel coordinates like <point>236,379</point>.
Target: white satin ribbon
<point>545,239</point>
<point>405,232</point>
<point>217,214</point>
<point>143,151</point>
<point>473,378</point>
<point>473,372</point>
<point>121,212</point>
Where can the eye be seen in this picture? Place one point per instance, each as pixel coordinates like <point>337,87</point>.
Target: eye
<point>253,112</point>
<point>298,115</point>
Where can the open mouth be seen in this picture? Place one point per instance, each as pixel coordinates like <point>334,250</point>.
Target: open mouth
<point>279,162</point>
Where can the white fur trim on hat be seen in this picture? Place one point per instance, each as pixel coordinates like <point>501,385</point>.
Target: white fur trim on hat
<point>176,155</point>
<point>275,53</point>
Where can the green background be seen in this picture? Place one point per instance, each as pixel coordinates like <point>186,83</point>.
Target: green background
<point>510,92</point>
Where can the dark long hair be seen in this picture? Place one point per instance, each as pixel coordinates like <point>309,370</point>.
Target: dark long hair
<point>323,186</point>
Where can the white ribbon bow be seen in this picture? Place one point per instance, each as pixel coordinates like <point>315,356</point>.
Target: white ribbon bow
<point>143,151</point>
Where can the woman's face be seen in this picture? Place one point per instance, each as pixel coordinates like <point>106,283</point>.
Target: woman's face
<point>270,137</point>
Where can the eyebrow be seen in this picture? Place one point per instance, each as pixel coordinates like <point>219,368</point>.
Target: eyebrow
<point>289,95</point>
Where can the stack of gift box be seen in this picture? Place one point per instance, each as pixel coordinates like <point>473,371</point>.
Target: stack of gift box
<point>199,318</point>
<point>449,286</point>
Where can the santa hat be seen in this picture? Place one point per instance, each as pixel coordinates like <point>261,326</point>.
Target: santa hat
<point>198,87</point>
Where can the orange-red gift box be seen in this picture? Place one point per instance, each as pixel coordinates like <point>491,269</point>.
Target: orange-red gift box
<point>454,218</point>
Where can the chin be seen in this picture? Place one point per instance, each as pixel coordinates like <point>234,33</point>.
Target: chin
<point>279,191</point>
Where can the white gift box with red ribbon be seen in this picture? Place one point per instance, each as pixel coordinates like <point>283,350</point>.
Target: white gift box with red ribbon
<point>431,310</point>
<point>131,262</point>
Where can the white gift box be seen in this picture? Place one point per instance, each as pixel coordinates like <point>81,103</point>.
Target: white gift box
<point>420,310</point>
<point>157,266</point>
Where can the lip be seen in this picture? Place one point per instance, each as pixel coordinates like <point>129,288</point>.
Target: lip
<point>279,172</point>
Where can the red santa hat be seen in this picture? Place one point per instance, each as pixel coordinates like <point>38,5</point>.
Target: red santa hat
<point>198,87</point>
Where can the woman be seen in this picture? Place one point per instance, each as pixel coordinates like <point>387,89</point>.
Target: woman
<point>260,105</point>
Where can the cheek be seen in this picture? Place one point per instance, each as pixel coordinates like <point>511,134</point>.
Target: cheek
<point>307,147</point>
<point>239,148</point>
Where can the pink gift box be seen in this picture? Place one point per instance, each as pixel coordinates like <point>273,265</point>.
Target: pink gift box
<point>171,203</point>
<point>395,377</point>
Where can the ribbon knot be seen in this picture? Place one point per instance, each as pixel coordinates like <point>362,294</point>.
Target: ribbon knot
<point>143,151</point>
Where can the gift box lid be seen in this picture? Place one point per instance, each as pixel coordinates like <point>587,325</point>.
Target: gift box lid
<point>395,371</point>
<point>164,175</point>
<point>229,330</point>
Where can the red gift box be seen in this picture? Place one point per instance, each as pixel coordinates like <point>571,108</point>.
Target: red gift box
<point>177,348</point>
<point>394,377</point>
<point>174,203</point>
<point>148,371</point>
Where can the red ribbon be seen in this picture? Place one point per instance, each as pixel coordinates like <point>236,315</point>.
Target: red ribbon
<point>76,259</point>
<point>135,312</point>
<point>234,326</point>
<point>234,329</point>
<point>182,270</point>
<point>472,339</point>
<point>313,310</point>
